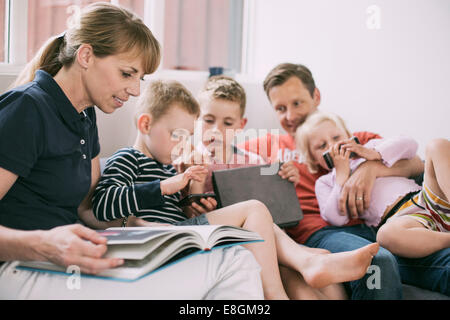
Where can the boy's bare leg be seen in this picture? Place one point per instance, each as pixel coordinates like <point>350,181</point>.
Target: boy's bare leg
<point>253,215</point>
<point>407,237</point>
<point>318,269</point>
<point>297,288</point>
<point>437,168</point>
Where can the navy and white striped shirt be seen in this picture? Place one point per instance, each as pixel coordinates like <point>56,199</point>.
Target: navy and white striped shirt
<point>130,185</point>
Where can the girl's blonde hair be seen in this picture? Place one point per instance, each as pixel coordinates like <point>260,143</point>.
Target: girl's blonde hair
<point>161,95</point>
<point>109,29</point>
<point>303,132</point>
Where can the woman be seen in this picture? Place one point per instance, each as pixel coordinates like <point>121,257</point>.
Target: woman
<point>49,165</point>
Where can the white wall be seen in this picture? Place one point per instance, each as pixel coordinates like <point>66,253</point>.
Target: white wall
<point>392,80</point>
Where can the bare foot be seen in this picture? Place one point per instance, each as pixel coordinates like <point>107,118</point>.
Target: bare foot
<point>315,250</point>
<point>321,270</point>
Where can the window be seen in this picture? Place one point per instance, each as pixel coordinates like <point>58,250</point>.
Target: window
<point>52,17</point>
<point>203,33</point>
<point>3,29</point>
<point>195,34</point>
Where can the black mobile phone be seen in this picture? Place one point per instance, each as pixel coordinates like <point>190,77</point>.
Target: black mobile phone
<point>188,200</point>
<point>329,160</point>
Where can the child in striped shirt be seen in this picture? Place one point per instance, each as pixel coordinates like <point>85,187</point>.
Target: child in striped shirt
<point>419,218</point>
<point>140,181</point>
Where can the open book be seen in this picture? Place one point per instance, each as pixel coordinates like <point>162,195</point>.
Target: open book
<point>148,249</point>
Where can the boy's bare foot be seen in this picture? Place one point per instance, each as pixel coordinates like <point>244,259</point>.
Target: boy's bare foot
<point>321,270</point>
<point>316,250</point>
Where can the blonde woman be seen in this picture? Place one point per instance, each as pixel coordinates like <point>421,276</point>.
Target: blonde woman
<point>49,166</point>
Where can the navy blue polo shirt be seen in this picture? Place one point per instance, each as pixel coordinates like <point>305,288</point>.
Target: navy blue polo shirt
<point>49,145</point>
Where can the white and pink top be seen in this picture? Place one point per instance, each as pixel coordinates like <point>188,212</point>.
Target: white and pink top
<point>386,190</point>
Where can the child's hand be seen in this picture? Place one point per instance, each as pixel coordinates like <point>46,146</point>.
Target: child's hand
<point>198,186</point>
<point>361,151</point>
<point>289,171</point>
<point>178,182</point>
<point>195,209</point>
<point>192,159</point>
<point>341,160</point>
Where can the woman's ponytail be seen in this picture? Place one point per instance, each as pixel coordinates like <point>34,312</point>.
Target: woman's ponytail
<point>109,29</point>
<point>47,59</point>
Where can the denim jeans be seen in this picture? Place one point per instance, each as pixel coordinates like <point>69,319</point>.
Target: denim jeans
<point>383,282</point>
<point>431,272</point>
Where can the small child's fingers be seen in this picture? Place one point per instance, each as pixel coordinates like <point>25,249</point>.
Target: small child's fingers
<point>199,169</point>
<point>294,180</point>
<point>284,168</point>
<point>292,173</point>
<point>336,149</point>
<point>199,210</point>
<point>347,154</point>
<point>207,204</point>
<point>213,202</point>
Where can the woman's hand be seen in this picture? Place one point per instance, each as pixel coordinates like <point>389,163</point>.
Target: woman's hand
<point>180,181</point>
<point>75,245</point>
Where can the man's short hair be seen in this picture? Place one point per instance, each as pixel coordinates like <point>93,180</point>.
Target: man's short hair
<point>283,72</point>
<point>225,88</point>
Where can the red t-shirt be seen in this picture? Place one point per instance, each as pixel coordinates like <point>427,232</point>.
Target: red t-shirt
<point>282,148</point>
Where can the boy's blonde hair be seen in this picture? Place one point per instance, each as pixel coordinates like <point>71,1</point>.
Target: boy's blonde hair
<point>109,29</point>
<point>225,88</point>
<point>304,130</point>
<point>161,95</point>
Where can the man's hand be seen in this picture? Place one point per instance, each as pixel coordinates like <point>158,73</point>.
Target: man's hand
<point>290,172</point>
<point>356,192</point>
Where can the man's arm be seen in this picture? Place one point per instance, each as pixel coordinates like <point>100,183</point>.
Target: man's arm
<point>356,193</point>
